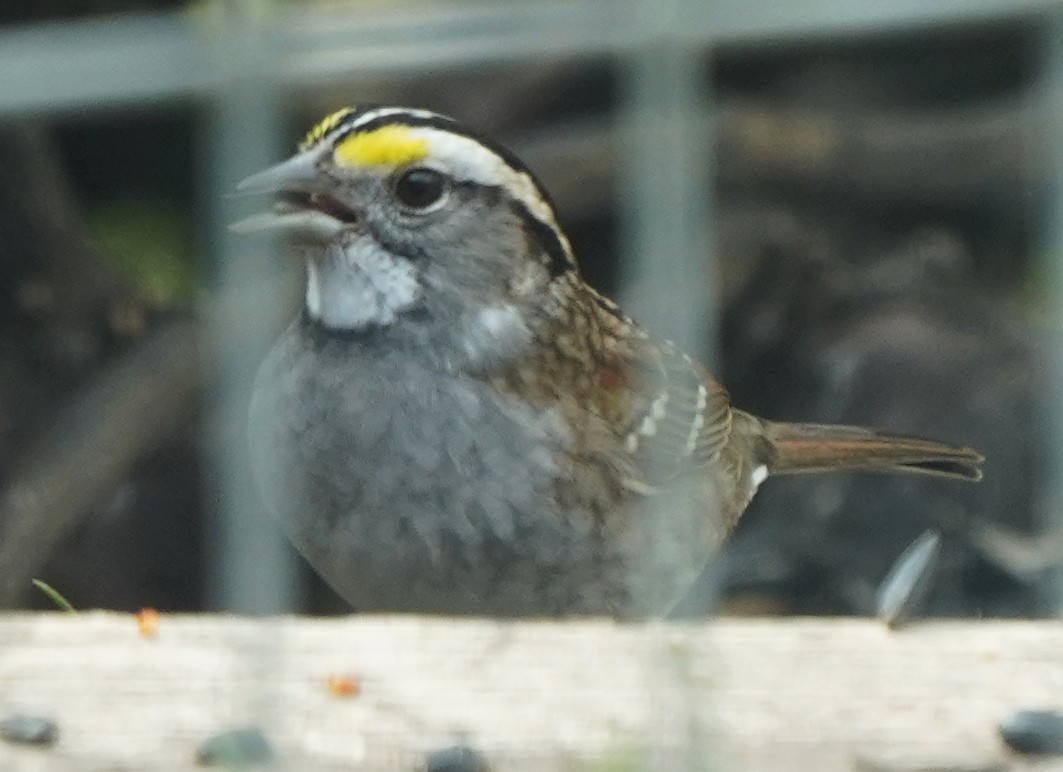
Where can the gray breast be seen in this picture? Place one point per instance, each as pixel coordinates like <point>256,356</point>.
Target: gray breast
<point>411,489</point>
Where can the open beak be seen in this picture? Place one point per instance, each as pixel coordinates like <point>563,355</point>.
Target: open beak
<point>297,173</point>
<point>305,210</point>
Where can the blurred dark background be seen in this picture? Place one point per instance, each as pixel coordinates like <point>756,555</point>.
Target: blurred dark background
<point>880,208</point>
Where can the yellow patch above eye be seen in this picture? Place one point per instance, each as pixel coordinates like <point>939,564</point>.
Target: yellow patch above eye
<point>386,146</point>
<point>323,127</point>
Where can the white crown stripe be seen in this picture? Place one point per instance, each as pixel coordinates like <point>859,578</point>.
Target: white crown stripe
<point>384,112</point>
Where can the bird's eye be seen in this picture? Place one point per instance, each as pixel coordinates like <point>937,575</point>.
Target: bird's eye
<point>420,188</point>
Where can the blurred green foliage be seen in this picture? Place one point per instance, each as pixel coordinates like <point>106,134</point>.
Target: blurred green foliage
<point>151,242</point>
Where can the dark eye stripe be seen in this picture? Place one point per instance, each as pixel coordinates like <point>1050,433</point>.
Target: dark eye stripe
<point>560,261</point>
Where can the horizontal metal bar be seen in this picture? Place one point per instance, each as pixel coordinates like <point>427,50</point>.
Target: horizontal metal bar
<point>746,21</point>
<point>425,38</point>
<point>119,59</point>
<point>127,59</point>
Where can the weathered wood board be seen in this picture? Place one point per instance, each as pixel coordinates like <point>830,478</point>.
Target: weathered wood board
<point>731,694</point>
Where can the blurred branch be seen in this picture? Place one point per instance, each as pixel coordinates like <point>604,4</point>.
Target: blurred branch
<point>85,392</point>
<point>962,157</point>
<point>43,234</point>
<point>96,437</point>
<point>951,157</point>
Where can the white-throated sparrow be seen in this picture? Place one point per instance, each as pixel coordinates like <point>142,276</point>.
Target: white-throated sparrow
<point>457,423</point>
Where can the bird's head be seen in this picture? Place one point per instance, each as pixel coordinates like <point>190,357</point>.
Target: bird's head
<point>405,216</point>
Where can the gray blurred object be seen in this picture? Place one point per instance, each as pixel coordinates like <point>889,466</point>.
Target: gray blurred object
<point>1034,732</point>
<point>456,758</point>
<point>236,749</point>
<point>27,729</point>
<point>904,587</point>
<point>1034,558</point>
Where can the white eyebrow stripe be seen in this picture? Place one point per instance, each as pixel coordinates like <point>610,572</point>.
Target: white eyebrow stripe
<point>469,160</point>
<point>383,112</point>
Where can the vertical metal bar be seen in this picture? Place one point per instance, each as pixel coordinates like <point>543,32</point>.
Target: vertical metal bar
<point>1051,113</point>
<point>666,271</point>
<point>665,176</point>
<point>251,570</point>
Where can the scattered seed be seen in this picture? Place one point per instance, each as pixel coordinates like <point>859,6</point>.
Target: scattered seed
<point>902,592</point>
<point>457,758</point>
<point>148,621</point>
<point>28,730</point>
<point>345,685</point>
<point>235,748</point>
<point>1037,732</point>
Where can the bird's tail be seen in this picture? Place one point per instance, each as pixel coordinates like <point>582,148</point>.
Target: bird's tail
<point>814,448</point>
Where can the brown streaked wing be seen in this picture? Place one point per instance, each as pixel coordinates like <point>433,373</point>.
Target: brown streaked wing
<point>680,417</point>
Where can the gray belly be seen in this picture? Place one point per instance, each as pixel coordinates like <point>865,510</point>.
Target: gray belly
<point>412,490</point>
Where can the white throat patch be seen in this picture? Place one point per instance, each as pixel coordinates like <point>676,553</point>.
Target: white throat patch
<point>359,285</point>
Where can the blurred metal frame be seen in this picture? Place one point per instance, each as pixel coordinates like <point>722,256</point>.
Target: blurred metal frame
<point>243,56</point>
<point>131,58</point>
<point>1050,113</point>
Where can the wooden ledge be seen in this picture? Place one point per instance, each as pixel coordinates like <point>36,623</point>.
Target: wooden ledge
<point>749,694</point>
